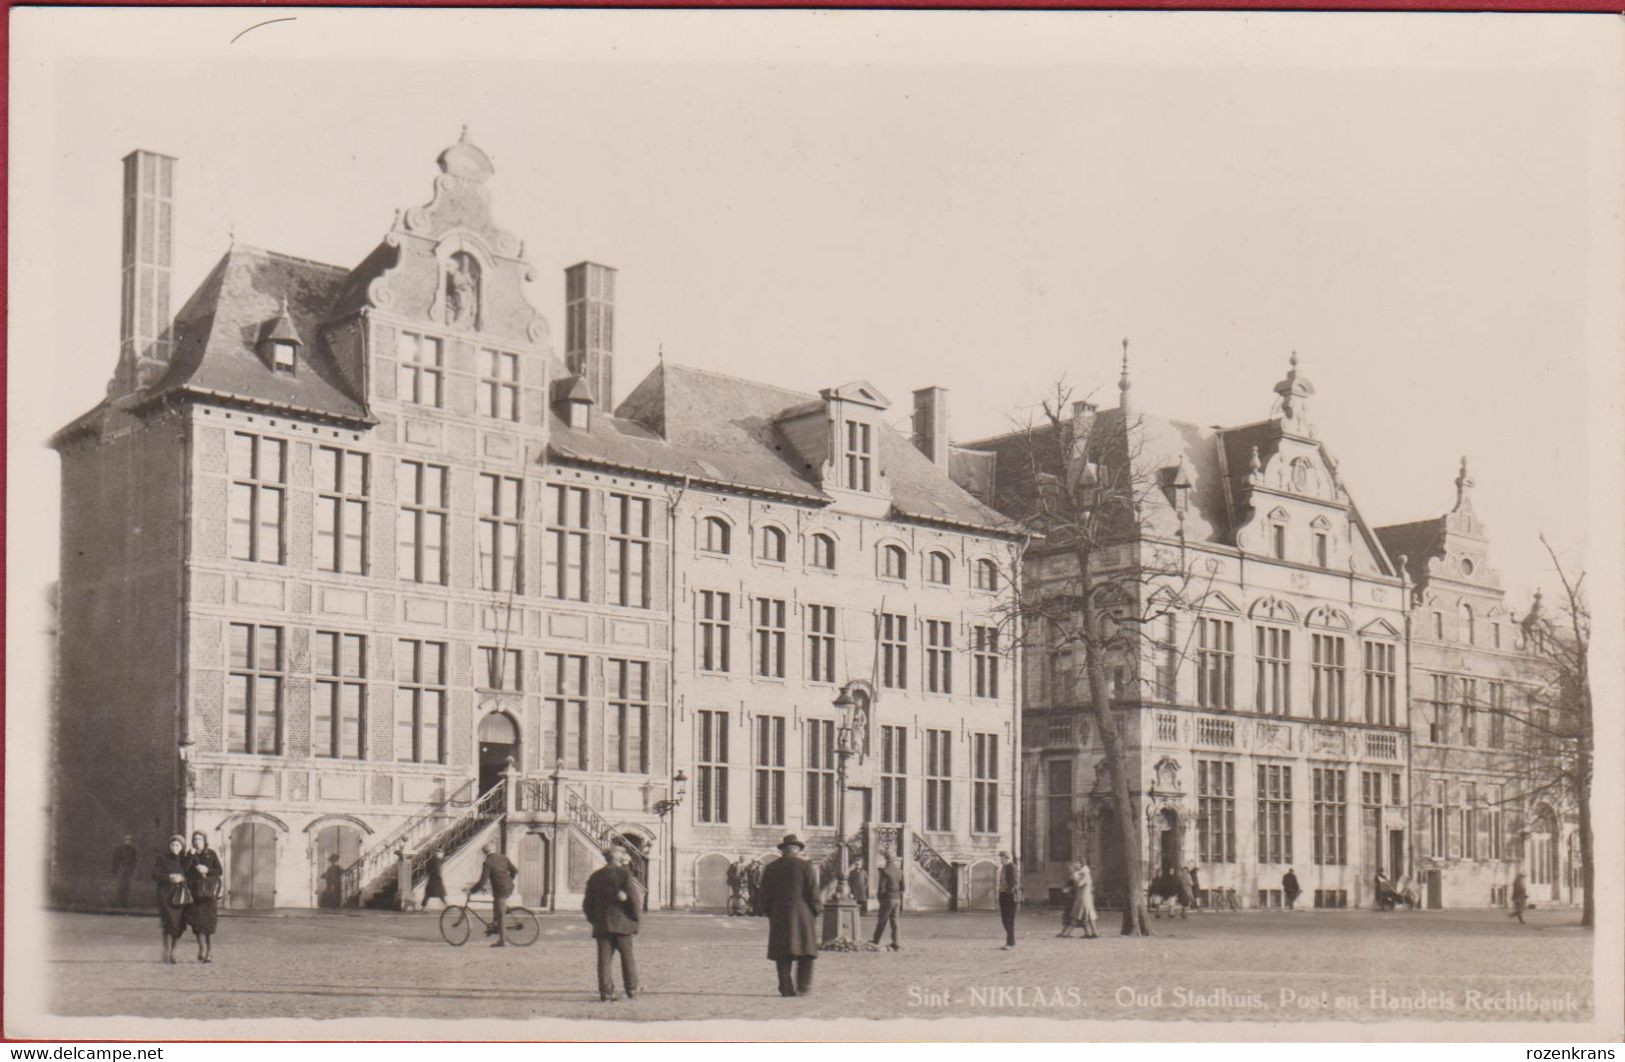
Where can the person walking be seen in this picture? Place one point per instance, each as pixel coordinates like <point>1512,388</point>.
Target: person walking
<point>1289,887</point>
<point>858,882</point>
<point>789,895</point>
<point>1083,900</point>
<point>1196,883</point>
<point>736,886</point>
<point>611,903</point>
<point>1069,899</point>
<point>169,876</point>
<point>1520,898</point>
<point>203,878</point>
<point>125,858</point>
<point>497,870</point>
<point>1187,890</point>
<point>753,887</point>
<point>889,893</point>
<point>434,885</point>
<point>1009,897</point>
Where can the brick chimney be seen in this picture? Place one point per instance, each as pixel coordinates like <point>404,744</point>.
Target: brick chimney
<point>149,205</point>
<point>589,335</point>
<point>931,424</point>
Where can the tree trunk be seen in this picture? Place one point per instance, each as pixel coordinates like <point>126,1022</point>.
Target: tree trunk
<point>1588,866</point>
<point>1125,806</point>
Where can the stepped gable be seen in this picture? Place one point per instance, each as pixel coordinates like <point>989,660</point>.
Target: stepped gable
<point>217,330</point>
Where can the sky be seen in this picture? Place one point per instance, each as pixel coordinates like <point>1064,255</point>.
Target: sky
<point>982,202</point>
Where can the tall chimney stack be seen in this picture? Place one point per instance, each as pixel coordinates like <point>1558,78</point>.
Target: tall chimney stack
<point>931,424</point>
<point>589,315</point>
<point>149,204</point>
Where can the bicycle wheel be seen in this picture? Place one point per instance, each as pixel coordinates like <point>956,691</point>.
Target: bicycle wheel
<point>454,925</point>
<point>523,926</point>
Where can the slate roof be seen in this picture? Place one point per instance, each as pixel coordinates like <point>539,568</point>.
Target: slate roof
<point>1419,542</point>
<point>215,335</point>
<point>723,431</point>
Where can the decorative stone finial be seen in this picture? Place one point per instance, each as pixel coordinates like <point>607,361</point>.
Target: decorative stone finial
<point>1123,384</point>
<point>1294,392</point>
<point>466,161</point>
<point>1255,466</point>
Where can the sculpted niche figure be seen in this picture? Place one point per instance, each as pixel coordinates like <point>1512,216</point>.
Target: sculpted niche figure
<point>462,291</point>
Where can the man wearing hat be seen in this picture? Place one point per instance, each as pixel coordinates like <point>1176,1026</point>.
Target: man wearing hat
<point>790,897</point>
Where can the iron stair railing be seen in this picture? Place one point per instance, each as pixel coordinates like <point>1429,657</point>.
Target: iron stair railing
<point>936,867</point>
<point>586,818</point>
<point>488,809</point>
<point>358,875</point>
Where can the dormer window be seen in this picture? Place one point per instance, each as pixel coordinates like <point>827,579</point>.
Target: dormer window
<point>283,355</point>
<point>859,456</point>
<point>279,342</point>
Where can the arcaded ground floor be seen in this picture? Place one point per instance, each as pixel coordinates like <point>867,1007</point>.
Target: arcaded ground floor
<point>1264,966</point>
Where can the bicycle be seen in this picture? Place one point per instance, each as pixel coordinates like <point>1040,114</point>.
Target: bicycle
<point>521,923</point>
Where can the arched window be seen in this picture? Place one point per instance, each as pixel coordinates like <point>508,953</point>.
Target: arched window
<point>716,536</point>
<point>823,551</point>
<point>772,548</point>
<point>893,562</point>
<point>1468,627</point>
<point>987,575</point>
<point>937,569</point>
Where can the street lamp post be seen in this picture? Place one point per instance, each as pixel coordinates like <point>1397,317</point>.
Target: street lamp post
<point>553,848</point>
<point>662,808</point>
<point>841,913</point>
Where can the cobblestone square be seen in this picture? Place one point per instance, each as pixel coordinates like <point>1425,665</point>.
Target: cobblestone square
<point>1250,966</point>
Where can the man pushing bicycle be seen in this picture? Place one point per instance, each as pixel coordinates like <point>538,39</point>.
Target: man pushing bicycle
<point>500,872</point>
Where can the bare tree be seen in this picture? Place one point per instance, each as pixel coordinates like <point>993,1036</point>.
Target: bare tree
<point>1094,583</point>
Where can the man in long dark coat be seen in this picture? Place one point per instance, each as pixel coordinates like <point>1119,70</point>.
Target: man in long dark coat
<point>858,882</point>
<point>611,905</point>
<point>790,896</point>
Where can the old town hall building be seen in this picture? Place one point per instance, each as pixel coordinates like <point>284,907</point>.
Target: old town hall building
<point>355,566</point>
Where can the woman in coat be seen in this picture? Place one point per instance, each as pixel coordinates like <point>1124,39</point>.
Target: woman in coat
<point>169,878</point>
<point>203,878</point>
<point>1069,901</point>
<point>1083,899</point>
<point>434,887</point>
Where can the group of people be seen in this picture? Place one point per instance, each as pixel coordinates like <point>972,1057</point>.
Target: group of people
<point>1079,910</point>
<point>745,887</point>
<point>188,881</point>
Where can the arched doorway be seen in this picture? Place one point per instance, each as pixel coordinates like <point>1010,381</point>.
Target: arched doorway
<point>533,868</point>
<point>1168,841</point>
<point>711,880</point>
<point>252,874</point>
<point>499,742</point>
<point>984,886</point>
<point>337,846</point>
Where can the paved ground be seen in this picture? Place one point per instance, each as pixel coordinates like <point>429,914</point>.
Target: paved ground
<point>1265,966</point>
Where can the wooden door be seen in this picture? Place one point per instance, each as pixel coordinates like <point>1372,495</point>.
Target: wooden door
<point>253,867</point>
<point>337,846</point>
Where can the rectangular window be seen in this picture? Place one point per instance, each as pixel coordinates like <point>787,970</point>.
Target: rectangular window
<point>1439,729</point>
<point>502,509</point>
<point>1438,821</point>
<point>501,669</point>
<point>629,713</point>
<point>254,693</point>
<point>258,473</point>
<point>565,684</point>
<point>939,656</point>
<point>893,775</point>
<point>341,510</point>
<point>939,780</point>
<point>422,369</point>
<point>1326,671</point>
<point>1381,681</point>
<point>1469,820</point>
<point>1274,813</point>
<point>820,772</point>
<point>1215,663</point>
<point>1330,793</point>
<point>716,630</point>
<point>1273,692</point>
<point>422,522</point>
<point>1216,810</point>
<point>769,744</point>
<point>984,783</point>
<point>859,456</point>
<point>420,701</point>
<point>499,384</point>
<point>339,715</point>
<point>769,637</point>
<point>1059,800</point>
<point>1496,824</point>
<point>1278,541</point>
<point>629,545</point>
<point>1322,549</point>
<point>565,555</point>
<point>1498,719</point>
<point>1167,651</point>
<point>1469,711</point>
<point>985,660</point>
<point>894,651</point>
<point>711,800</point>
<point>821,643</point>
